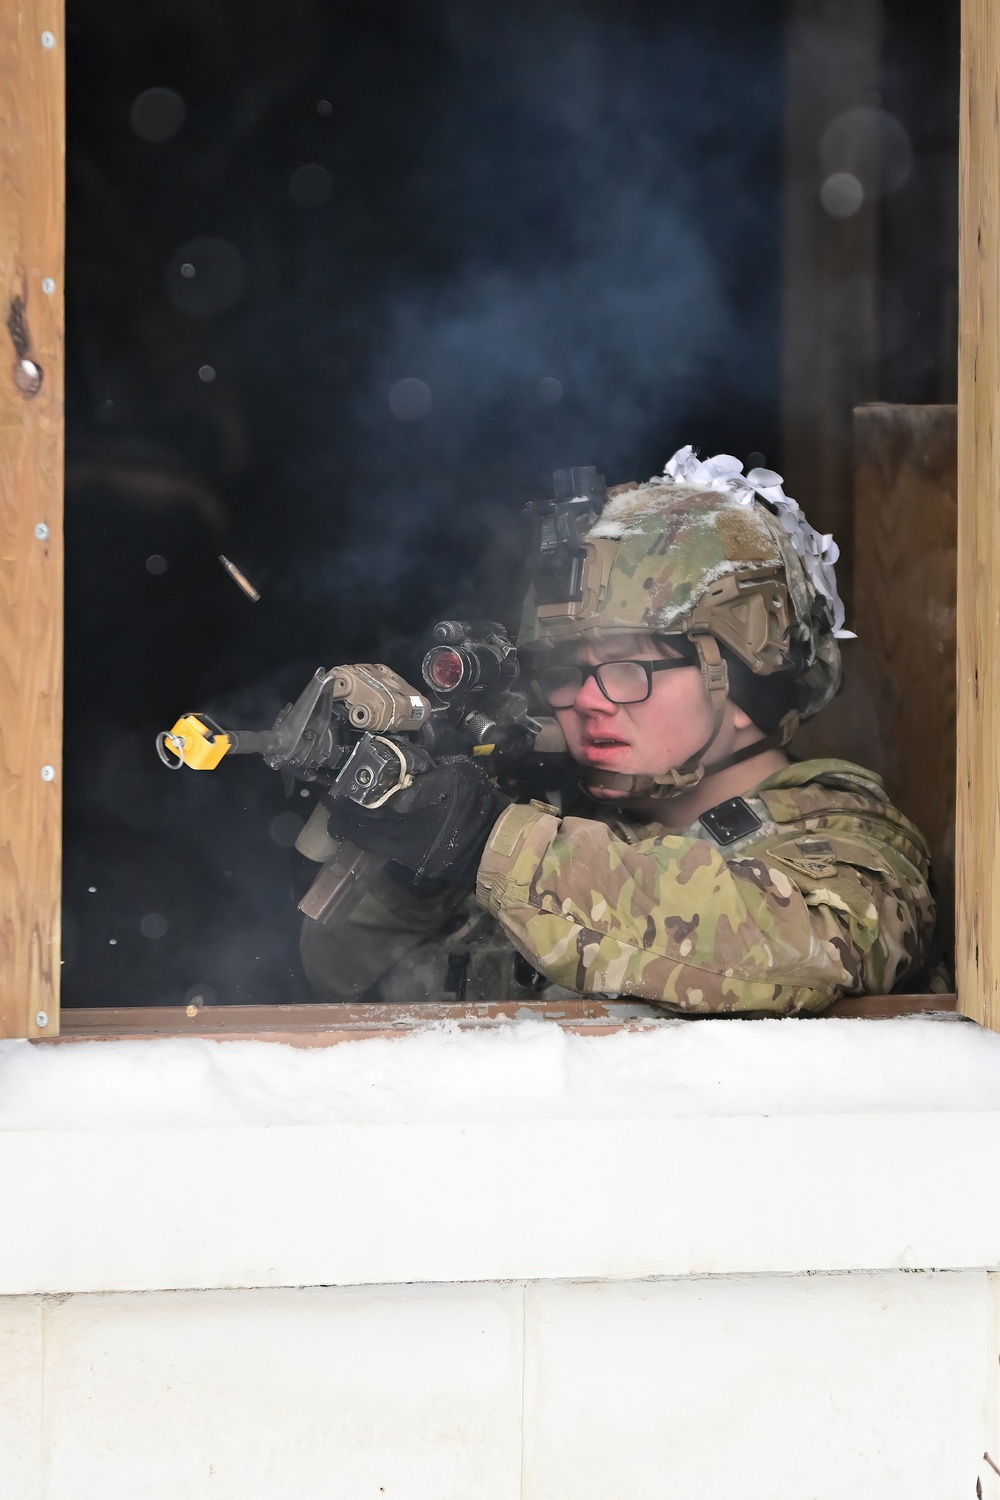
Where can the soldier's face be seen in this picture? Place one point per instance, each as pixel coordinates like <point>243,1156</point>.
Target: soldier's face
<point>639,739</point>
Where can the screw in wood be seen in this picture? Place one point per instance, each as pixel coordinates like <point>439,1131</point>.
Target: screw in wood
<point>28,377</point>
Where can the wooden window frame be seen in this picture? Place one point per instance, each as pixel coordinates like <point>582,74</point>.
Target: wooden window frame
<point>32,233</point>
<point>32,222</point>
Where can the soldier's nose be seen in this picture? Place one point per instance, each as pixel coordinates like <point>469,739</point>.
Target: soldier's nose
<point>590,699</point>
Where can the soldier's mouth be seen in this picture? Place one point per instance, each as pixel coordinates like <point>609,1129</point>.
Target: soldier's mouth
<point>595,746</point>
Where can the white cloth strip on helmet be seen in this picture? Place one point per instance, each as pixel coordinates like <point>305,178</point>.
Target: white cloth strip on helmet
<point>723,472</point>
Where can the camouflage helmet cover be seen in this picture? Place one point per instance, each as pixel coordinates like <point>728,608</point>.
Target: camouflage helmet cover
<point>703,551</point>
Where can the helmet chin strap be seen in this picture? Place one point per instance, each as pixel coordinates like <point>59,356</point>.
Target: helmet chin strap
<point>617,786</point>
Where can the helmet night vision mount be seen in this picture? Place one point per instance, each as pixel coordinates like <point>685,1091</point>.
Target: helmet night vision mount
<point>560,525</point>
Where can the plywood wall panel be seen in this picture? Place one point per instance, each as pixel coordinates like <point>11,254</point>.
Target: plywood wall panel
<point>905,526</point>
<point>32,128</point>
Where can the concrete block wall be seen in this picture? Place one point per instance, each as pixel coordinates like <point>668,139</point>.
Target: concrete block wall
<point>827,1387</point>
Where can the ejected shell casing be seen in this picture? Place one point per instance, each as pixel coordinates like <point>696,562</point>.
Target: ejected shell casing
<point>239,578</point>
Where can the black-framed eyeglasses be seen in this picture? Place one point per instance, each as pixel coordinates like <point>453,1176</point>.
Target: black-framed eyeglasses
<point>619,681</point>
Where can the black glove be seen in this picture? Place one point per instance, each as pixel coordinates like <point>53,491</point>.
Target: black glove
<point>437,828</point>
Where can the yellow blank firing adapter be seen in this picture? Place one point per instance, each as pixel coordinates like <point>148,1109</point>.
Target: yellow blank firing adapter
<point>194,741</point>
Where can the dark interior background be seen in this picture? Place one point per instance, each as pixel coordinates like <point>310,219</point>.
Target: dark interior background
<point>437,251</point>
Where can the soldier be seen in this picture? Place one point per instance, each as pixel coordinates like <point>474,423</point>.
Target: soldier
<point>679,635</point>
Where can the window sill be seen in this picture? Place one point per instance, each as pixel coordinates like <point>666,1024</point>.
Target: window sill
<point>530,1157</point>
<point>339,1205</point>
<point>325,1025</point>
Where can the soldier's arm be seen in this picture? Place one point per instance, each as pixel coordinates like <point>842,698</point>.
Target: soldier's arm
<point>670,919</point>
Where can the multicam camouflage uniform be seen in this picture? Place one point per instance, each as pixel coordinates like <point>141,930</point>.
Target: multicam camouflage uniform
<point>827,896</point>
<point>822,891</point>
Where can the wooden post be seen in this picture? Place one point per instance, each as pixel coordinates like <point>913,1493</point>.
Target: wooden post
<point>830,325</point>
<point>32,131</point>
<point>978,780</point>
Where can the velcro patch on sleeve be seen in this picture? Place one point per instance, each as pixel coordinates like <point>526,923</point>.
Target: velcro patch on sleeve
<point>511,828</point>
<point>812,857</point>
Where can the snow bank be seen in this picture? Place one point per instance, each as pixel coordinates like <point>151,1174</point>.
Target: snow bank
<point>528,1070</point>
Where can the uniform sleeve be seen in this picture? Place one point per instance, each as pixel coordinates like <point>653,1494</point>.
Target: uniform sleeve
<point>669,919</point>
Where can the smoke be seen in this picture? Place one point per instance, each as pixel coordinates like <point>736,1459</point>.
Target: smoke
<point>470,243</point>
<point>593,276</point>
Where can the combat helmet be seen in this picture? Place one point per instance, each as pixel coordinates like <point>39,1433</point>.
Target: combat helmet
<point>724,561</point>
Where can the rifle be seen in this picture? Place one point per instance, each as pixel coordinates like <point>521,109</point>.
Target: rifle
<point>363,732</point>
